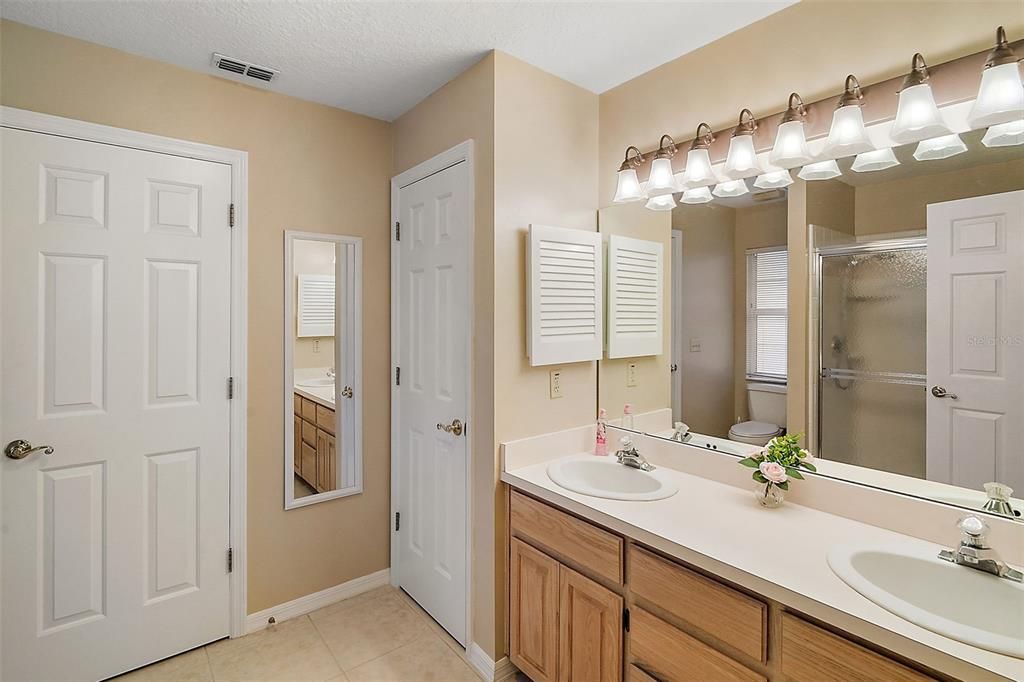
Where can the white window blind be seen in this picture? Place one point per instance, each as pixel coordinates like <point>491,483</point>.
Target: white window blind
<point>767,294</point>
<point>315,310</point>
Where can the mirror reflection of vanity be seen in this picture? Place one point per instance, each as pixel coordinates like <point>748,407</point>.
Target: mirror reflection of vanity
<point>322,334</point>
<point>880,314</point>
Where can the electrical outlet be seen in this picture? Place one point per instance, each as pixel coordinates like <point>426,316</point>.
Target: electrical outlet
<point>316,345</point>
<point>631,375</point>
<point>556,383</point>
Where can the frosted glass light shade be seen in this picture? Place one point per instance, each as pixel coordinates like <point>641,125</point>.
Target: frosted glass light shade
<point>731,188</point>
<point>698,195</point>
<point>940,148</point>
<point>741,160</point>
<point>627,187</point>
<point>662,202</point>
<point>880,159</point>
<point>774,180</point>
<point>790,148</point>
<point>1000,96</point>
<point>847,136</point>
<point>1004,134</point>
<point>698,168</point>
<point>662,180</point>
<point>917,116</point>
<point>822,170</point>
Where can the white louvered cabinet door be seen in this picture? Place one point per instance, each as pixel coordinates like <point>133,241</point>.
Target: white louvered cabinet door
<point>315,310</point>
<point>635,295</point>
<point>566,307</point>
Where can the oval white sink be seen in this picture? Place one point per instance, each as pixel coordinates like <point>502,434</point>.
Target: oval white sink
<point>316,383</point>
<point>605,477</point>
<point>954,601</point>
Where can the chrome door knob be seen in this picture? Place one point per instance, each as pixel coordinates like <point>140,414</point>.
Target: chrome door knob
<point>940,392</point>
<point>347,392</point>
<point>20,449</point>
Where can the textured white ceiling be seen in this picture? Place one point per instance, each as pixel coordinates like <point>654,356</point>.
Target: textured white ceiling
<point>381,58</point>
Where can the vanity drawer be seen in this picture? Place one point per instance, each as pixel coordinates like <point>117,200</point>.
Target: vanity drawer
<point>668,654</point>
<point>325,418</point>
<point>732,617</point>
<point>298,404</point>
<point>309,433</point>
<point>812,654</point>
<point>308,410</point>
<point>596,550</point>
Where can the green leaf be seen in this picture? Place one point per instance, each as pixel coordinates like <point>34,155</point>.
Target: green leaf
<point>783,486</point>
<point>750,462</point>
<point>809,466</point>
<point>759,477</point>
<point>793,473</point>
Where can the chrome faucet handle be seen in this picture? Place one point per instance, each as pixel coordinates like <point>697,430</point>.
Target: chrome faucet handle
<point>974,531</point>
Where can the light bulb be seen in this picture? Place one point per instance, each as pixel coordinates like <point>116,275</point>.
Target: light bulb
<point>847,136</point>
<point>662,180</point>
<point>790,148</point>
<point>880,159</point>
<point>663,202</point>
<point>774,180</point>
<point>940,148</point>
<point>698,195</point>
<point>822,170</point>
<point>1004,134</point>
<point>627,188</point>
<point>1001,93</point>
<point>741,160</point>
<point>698,168</point>
<point>917,116</point>
<point>731,188</point>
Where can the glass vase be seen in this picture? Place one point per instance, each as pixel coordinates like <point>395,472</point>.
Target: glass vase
<point>770,495</point>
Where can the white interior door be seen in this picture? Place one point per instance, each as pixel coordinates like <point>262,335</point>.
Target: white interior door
<point>976,340</point>
<point>433,361</point>
<point>677,325</point>
<point>115,352</point>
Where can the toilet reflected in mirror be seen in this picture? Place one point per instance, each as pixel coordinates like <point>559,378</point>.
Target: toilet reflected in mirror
<point>766,404</point>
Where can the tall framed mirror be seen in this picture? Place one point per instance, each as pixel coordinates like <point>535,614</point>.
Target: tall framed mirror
<point>322,368</point>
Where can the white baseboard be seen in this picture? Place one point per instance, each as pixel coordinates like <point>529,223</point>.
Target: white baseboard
<point>490,670</point>
<point>317,600</point>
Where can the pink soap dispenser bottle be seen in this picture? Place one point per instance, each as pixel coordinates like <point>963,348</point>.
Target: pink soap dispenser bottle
<point>601,438</point>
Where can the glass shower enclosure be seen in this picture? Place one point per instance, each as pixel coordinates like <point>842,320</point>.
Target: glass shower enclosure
<point>871,302</point>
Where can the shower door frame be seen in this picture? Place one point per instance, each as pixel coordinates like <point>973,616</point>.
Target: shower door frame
<point>817,255</point>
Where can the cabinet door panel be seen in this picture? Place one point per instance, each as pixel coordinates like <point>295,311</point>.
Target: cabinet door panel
<point>533,613</point>
<point>589,630</point>
<point>297,445</point>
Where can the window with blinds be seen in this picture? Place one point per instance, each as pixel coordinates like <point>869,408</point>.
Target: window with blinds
<point>767,294</point>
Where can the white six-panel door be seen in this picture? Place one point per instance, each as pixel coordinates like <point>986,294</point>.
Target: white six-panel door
<point>432,322</point>
<point>976,341</point>
<point>115,352</point>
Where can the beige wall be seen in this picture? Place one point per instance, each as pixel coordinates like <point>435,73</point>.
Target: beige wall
<point>809,48</point>
<point>653,379</point>
<point>311,258</point>
<point>300,177</point>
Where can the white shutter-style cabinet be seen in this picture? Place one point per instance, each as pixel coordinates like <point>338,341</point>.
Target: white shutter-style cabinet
<point>315,310</point>
<point>635,295</point>
<point>564,273</point>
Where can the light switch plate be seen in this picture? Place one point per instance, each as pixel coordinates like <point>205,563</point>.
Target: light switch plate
<point>694,345</point>
<point>631,375</point>
<point>556,383</point>
<point>316,345</point>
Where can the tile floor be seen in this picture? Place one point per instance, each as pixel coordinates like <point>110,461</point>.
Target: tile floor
<point>379,636</point>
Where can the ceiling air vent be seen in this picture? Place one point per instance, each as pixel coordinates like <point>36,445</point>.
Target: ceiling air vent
<point>243,69</point>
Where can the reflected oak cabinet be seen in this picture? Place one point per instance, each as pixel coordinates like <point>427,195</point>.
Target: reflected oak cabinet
<point>315,447</point>
<point>587,605</point>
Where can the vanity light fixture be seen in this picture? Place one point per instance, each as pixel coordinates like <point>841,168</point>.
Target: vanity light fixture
<point>1001,94</point>
<point>662,180</point>
<point>697,195</point>
<point>917,115</point>
<point>662,202</point>
<point>627,187</point>
<point>848,136</point>
<point>876,160</point>
<point>790,148</point>
<point>731,188</point>
<point>741,160</point>
<point>1004,134</point>
<point>821,170</point>
<point>698,162</point>
<point>774,179</point>
<point>940,148</point>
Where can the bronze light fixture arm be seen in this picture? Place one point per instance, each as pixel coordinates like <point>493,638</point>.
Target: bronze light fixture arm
<point>795,111</point>
<point>746,127</point>
<point>634,161</point>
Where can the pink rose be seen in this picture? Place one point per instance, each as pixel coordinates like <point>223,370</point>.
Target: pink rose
<point>774,472</point>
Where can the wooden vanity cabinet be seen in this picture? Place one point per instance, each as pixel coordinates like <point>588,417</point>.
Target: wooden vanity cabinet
<point>315,444</point>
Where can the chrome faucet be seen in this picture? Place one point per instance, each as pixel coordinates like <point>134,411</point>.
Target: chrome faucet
<point>974,552</point>
<point>681,433</point>
<point>628,456</point>
<point>330,372</point>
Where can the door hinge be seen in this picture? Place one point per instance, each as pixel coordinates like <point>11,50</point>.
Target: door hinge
<point>231,215</point>
<point>398,520</point>
<point>231,559</point>
<point>398,376</point>
<point>231,388</point>
<point>398,231</point>
<point>625,619</point>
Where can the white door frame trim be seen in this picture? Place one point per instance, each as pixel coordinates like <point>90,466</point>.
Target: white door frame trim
<point>460,153</point>
<point>21,119</point>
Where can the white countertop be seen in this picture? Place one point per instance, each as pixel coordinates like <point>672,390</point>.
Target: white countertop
<point>320,394</point>
<point>779,553</point>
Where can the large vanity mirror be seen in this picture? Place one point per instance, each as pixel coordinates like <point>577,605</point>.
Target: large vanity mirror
<point>322,365</point>
<point>880,314</point>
